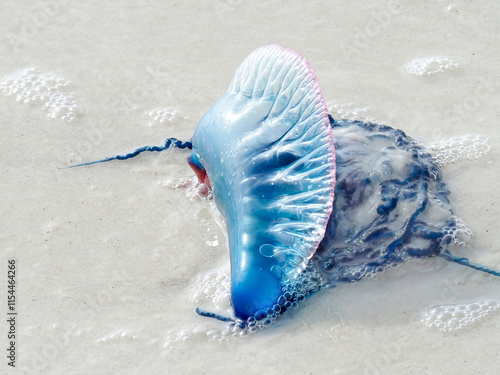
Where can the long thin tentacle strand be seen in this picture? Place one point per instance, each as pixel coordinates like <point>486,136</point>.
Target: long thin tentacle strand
<point>174,142</point>
<point>466,262</point>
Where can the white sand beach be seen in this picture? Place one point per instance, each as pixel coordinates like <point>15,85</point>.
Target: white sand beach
<point>113,259</point>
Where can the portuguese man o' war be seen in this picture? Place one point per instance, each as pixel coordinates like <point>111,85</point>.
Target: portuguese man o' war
<point>310,202</point>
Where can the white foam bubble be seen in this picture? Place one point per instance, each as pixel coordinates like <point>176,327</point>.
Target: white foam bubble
<point>213,287</point>
<point>470,147</point>
<point>174,183</point>
<point>200,332</point>
<point>118,335</point>
<point>426,66</point>
<point>349,111</point>
<point>44,89</point>
<point>453,317</point>
<point>458,234</point>
<point>165,115</point>
<point>209,289</point>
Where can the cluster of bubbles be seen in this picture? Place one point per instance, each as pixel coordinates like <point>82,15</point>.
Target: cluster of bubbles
<point>470,147</point>
<point>453,317</point>
<point>209,288</point>
<point>121,334</point>
<point>426,66</point>
<point>175,336</point>
<point>349,112</point>
<point>358,273</point>
<point>213,287</point>
<point>33,87</point>
<point>165,115</point>
<point>458,234</point>
<point>295,291</point>
<point>189,185</point>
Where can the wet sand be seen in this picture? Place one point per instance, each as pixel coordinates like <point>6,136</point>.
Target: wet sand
<point>113,259</point>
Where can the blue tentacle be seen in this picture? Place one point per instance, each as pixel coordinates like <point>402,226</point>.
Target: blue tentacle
<point>174,142</point>
<point>466,262</point>
<point>209,314</point>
